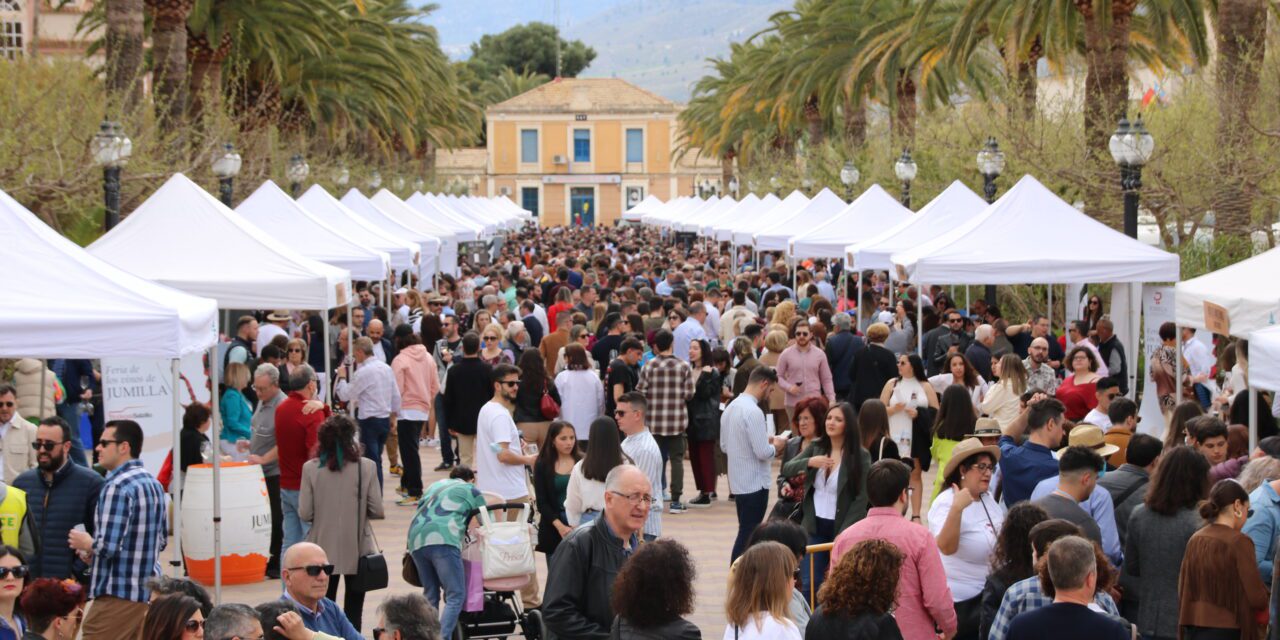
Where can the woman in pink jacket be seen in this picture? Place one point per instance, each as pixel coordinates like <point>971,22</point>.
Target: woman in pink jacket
<point>419,382</point>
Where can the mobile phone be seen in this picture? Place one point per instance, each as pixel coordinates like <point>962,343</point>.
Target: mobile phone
<point>785,434</point>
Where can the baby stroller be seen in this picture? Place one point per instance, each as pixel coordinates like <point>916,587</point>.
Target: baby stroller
<point>502,610</point>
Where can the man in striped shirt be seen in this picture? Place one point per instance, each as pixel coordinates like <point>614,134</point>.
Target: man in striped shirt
<point>640,446</point>
<point>745,440</point>
<point>131,532</point>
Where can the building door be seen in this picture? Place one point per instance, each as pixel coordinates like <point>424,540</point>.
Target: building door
<point>582,206</point>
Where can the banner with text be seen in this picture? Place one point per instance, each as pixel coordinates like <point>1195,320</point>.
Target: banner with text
<point>1157,309</point>
<point>141,389</point>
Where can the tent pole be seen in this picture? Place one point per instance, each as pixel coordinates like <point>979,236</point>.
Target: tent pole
<point>1253,417</point>
<point>175,482</point>
<point>1049,314</point>
<point>858,306</point>
<point>216,438</point>
<point>920,320</point>
<point>1177,377</point>
<point>328,362</point>
<point>44,388</point>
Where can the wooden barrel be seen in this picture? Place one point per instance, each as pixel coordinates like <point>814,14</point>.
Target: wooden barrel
<point>246,523</point>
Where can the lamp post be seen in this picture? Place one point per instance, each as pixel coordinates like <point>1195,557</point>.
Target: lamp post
<point>990,165</point>
<point>226,167</point>
<point>1131,147</point>
<point>733,187</point>
<point>752,186</point>
<point>375,181</point>
<point>398,184</point>
<point>297,172</point>
<point>905,168</point>
<point>849,176</point>
<point>773,184</point>
<point>343,177</point>
<point>419,185</point>
<point>807,184</point>
<point>111,150</point>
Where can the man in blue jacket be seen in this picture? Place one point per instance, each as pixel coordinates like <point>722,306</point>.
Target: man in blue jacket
<point>306,572</point>
<point>60,495</point>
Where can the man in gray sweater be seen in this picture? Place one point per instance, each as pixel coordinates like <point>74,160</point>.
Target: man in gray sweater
<point>1128,484</point>
<point>1078,469</point>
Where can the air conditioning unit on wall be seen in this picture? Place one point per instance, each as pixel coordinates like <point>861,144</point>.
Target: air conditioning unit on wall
<point>559,160</point>
<point>506,191</point>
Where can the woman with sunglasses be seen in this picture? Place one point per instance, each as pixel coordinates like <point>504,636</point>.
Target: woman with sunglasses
<point>1091,314</point>
<point>174,617</point>
<point>53,609</point>
<point>911,401</point>
<point>295,355</point>
<point>13,577</point>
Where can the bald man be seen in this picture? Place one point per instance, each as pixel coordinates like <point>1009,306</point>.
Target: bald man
<point>382,346</point>
<point>1039,374</point>
<point>306,572</point>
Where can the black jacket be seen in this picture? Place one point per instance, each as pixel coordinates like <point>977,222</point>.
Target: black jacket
<point>55,508</point>
<point>469,386</point>
<point>678,629</point>
<point>549,506</point>
<point>992,595</point>
<point>865,626</point>
<point>575,604</point>
<point>841,347</point>
<point>704,407</point>
<point>872,368</point>
<point>529,401</point>
<point>1112,352</point>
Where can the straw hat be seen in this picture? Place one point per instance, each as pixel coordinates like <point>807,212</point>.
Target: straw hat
<point>1088,435</point>
<point>968,448</point>
<point>986,428</point>
<point>279,315</point>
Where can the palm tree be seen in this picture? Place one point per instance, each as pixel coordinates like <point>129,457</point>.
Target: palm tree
<point>169,56</point>
<point>1241,26</point>
<point>124,42</point>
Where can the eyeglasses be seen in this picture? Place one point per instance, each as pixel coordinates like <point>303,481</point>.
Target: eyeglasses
<point>509,383</point>
<point>19,572</point>
<point>294,350</point>
<point>314,570</point>
<point>803,334</point>
<point>193,626</point>
<point>378,632</point>
<point>103,442</point>
<point>955,320</point>
<point>636,499</point>
<point>47,445</point>
<point>984,467</point>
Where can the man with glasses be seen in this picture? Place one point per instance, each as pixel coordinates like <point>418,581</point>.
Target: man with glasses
<point>953,339</point>
<point>1107,392</point>
<point>306,581</point>
<point>262,451</point>
<point>645,453</point>
<point>500,456</point>
<point>59,495</point>
<point>803,371</point>
<point>580,578</point>
<point>16,435</point>
<point>445,351</point>
<point>1040,373</point>
<point>233,622</point>
<point>130,532</point>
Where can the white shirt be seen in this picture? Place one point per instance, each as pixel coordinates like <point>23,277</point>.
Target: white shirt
<point>1199,359</point>
<point>645,454</point>
<point>581,399</point>
<point>373,389</point>
<point>968,567</point>
<point>583,495</point>
<point>772,629</point>
<point>495,427</point>
<point>540,313</point>
<point>825,487</point>
<point>266,333</point>
<point>1098,418</point>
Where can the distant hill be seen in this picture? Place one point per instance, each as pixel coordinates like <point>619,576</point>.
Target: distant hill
<point>661,45</point>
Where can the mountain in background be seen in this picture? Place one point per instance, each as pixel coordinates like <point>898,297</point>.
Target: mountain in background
<point>660,45</point>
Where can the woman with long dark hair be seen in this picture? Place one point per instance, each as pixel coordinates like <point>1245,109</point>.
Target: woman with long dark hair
<point>910,400</point>
<point>340,494</point>
<point>174,617</point>
<point>954,423</point>
<point>835,469</point>
<point>958,370</point>
<point>534,384</point>
<point>1012,559</point>
<point>584,497</point>
<point>873,424</point>
<point>551,474</point>
<point>704,421</point>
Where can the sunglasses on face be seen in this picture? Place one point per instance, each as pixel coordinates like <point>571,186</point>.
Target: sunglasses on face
<point>314,570</point>
<point>8,404</point>
<point>47,445</point>
<point>802,334</point>
<point>295,350</point>
<point>509,383</point>
<point>193,626</point>
<point>19,572</point>
<point>954,320</point>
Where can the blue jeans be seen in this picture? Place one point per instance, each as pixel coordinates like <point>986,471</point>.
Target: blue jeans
<point>751,507</point>
<point>373,435</point>
<point>295,530</point>
<point>440,568</point>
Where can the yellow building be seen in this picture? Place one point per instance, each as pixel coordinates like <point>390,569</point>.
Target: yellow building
<point>580,150</point>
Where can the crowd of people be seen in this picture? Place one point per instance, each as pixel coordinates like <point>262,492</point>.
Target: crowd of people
<point>576,369</point>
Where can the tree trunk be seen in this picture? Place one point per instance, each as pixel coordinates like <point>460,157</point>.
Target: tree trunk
<point>813,121</point>
<point>1106,56</point>
<point>904,112</point>
<point>169,53</point>
<point>1026,81</point>
<point>726,172</point>
<point>205,79</point>
<point>1241,46</point>
<point>124,52</point>
<point>855,122</point>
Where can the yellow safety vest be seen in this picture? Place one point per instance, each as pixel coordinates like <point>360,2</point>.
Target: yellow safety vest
<point>13,510</point>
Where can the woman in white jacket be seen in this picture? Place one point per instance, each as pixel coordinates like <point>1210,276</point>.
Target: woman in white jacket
<point>581,392</point>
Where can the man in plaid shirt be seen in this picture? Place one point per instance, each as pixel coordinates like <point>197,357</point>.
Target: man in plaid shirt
<point>667,383</point>
<point>131,527</point>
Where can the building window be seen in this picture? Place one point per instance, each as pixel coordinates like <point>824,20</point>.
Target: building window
<point>529,200</point>
<point>582,145</point>
<point>635,145</point>
<point>11,5</point>
<point>11,43</point>
<point>529,146</point>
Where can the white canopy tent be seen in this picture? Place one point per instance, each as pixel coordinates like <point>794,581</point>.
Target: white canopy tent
<point>1248,292</point>
<point>998,247</point>
<point>185,238</point>
<point>742,206</point>
<point>868,215</point>
<point>508,204</point>
<point>486,228</point>
<point>674,208</point>
<point>502,206</point>
<point>475,209</point>
<point>777,233</point>
<point>953,207</point>
<point>634,214</point>
<point>397,210</point>
<point>692,223</point>
<point>321,204</point>
<point>271,209</point>
<point>464,230</point>
<point>1264,358</point>
<point>744,230</point>
<point>695,207</point>
<point>429,246</point>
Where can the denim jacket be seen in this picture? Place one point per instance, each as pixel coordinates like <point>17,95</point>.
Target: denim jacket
<point>1263,526</point>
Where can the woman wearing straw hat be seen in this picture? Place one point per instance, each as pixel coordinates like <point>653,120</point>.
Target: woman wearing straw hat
<point>966,519</point>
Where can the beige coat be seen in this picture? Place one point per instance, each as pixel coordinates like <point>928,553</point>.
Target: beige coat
<point>27,382</point>
<point>18,454</point>
<point>777,397</point>
<point>329,500</point>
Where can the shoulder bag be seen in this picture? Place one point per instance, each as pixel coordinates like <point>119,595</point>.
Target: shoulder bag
<point>550,410</point>
<point>371,569</point>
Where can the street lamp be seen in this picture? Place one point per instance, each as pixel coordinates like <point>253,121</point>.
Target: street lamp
<point>807,184</point>
<point>733,186</point>
<point>226,167</point>
<point>343,176</point>
<point>419,185</point>
<point>849,176</point>
<point>905,168</point>
<point>111,150</point>
<point>752,186</point>
<point>990,165</point>
<point>773,183</point>
<point>398,184</point>
<point>1131,147</point>
<point>375,180</point>
<point>297,172</point>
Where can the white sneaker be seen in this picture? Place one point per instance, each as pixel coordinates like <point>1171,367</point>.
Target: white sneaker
<point>433,443</point>
<point>424,442</point>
